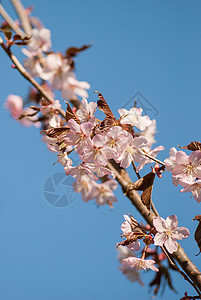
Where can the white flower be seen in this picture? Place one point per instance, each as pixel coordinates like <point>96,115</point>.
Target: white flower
<point>139,263</point>
<point>168,233</point>
<point>40,40</point>
<point>73,87</point>
<point>134,118</point>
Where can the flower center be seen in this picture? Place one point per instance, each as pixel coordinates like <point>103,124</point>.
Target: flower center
<point>190,169</point>
<point>131,150</point>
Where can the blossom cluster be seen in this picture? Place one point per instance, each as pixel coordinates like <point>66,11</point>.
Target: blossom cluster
<point>165,232</point>
<point>186,171</point>
<point>126,140</point>
<point>56,72</point>
<point>96,142</point>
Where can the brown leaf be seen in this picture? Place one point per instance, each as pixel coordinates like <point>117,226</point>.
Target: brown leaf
<point>144,184</point>
<point>73,51</point>
<point>137,232</point>
<point>193,146</point>
<point>56,132</point>
<point>8,34</point>
<point>70,114</point>
<point>107,123</point>
<point>197,234</point>
<point>103,106</point>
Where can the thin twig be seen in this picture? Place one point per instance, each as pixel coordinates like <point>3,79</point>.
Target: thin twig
<point>27,76</point>
<point>10,21</point>
<point>22,15</point>
<point>154,159</point>
<point>134,168</point>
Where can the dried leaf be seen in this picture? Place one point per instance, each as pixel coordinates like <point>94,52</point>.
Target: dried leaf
<point>163,276</point>
<point>197,234</point>
<point>8,34</point>
<point>73,51</point>
<point>56,132</point>
<point>107,123</point>
<point>137,232</point>
<point>103,106</point>
<point>70,114</point>
<point>144,184</point>
<point>193,146</point>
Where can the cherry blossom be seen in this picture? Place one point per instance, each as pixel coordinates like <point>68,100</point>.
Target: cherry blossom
<point>84,186</point>
<point>187,167</point>
<point>131,150</point>
<point>131,274</point>
<point>14,104</point>
<point>114,138</point>
<point>86,112</point>
<point>102,192</point>
<point>139,263</point>
<point>79,135</point>
<point>168,232</point>
<point>80,170</point>
<point>32,63</point>
<point>97,153</point>
<point>134,118</point>
<point>40,41</point>
<point>72,87</point>
<point>56,70</point>
<point>194,187</point>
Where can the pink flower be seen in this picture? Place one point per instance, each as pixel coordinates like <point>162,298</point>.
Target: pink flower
<point>32,63</point>
<point>73,87</point>
<point>79,135</point>
<point>139,263</point>
<point>114,136</point>
<point>80,170</point>
<point>55,69</point>
<point>97,153</point>
<point>40,40</point>
<point>194,187</point>
<point>86,112</point>
<point>131,274</point>
<point>14,104</point>
<point>187,167</point>
<point>131,150</point>
<point>134,118</point>
<point>102,192</point>
<point>84,186</point>
<point>168,232</point>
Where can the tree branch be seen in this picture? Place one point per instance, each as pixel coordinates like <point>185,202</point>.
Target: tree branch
<point>28,77</point>
<point>10,21</point>
<point>180,256</point>
<point>22,15</point>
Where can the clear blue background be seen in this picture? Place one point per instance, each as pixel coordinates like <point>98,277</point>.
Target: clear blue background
<point>69,253</point>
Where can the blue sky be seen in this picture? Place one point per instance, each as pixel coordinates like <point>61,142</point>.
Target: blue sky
<point>69,253</point>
